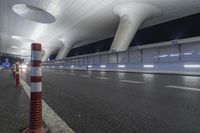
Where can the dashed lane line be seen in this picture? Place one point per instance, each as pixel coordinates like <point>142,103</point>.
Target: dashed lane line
<point>85,76</point>
<point>102,78</point>
<point>72,74</point>
<point>183,88</point>
<point>131,81</point>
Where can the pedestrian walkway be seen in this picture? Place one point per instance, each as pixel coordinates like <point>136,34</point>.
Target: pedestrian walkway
<point>14,105</point>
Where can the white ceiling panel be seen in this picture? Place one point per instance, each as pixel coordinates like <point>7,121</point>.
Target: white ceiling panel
<point>80,21</point>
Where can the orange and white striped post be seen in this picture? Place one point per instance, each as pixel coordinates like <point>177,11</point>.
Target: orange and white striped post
<point>17,79</point>
<point>35,125</point>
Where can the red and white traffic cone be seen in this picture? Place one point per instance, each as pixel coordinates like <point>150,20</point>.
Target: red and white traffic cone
<point>36,125</point>
<point>17,77</point>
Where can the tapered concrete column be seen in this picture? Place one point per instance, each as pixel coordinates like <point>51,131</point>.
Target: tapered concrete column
<point>64,50</point>
<point>46,55</point>
<point>131,16</point>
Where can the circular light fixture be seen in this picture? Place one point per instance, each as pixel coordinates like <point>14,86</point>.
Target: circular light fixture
<point>33,13</point>
<point>23,39</point>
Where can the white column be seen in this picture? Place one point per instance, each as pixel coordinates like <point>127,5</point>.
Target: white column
<point>46,54</point>
<point>64,50</point>
<point>131,15</point>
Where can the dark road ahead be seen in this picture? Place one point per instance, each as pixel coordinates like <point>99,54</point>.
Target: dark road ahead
<point>111,102</point>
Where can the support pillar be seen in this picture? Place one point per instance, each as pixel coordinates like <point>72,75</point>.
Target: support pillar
<point>131,14</point>
<point>63,52</point>
<point>35,125</point>
<point>46,55</point>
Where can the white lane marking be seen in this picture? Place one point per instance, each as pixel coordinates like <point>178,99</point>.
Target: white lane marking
<point>59,73</point>
<point>51,119</point>
<point>55,72</point>
<point>183,88</point>
<point>85,76</point>
<point>102,78</point>
<point>72,74</point>
<point>131,81</point>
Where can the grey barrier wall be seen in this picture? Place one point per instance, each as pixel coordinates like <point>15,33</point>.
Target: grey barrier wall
<point>177,58</point>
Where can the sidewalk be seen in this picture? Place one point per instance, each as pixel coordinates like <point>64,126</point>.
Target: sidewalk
<point>14,105</point>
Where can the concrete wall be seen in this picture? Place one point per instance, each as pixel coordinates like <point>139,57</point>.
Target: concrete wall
<point>173,59</point>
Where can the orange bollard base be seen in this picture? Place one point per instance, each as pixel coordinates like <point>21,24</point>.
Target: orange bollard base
<point>14,75</point>
<point>39,130</point>
<point>18,84</point>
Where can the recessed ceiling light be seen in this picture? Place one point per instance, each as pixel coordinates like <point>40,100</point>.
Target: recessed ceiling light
<point>23,39</point>
<point>33,13</point>
<point>14,47</point>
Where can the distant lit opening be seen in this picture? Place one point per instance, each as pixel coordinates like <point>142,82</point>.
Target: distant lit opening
<point>24,66</point>
<point>72,66</point>
<point>89,66</point>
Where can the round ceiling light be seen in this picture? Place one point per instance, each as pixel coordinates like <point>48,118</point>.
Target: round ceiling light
<point>33,13</point>
<point>23,39</point>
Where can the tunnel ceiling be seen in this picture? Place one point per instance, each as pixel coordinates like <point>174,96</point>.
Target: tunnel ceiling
<point>79,21</point>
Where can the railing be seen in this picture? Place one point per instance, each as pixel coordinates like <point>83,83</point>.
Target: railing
<point>160,57</point>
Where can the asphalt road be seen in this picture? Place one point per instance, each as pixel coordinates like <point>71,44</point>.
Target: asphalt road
<point>115,102</point>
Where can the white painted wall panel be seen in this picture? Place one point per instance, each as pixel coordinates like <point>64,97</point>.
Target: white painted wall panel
<point>123,57</point>
<point>104,59</point>
<point>112,58</point>
<point>81,60</point>
<point>190,52</point>
<point>135,57</point>
<point>150,55</point>
<point>169,54</point>
<point>97,59</point>
<point>85,60</point>
<point>91,60</point>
